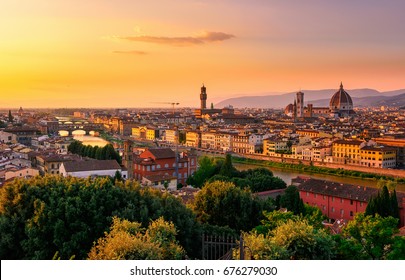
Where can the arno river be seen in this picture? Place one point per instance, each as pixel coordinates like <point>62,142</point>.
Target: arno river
<point>287,175</point>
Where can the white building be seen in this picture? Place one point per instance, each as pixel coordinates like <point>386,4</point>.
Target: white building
<point>208,140</point>
<point>84,169</point>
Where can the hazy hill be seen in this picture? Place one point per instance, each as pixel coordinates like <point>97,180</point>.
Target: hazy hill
<point>370,101</point>
<point>317,97</point>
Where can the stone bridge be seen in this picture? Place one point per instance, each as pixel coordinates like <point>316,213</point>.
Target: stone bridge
<point>87,127</point>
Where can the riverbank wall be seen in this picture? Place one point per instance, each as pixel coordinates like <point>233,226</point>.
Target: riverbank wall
<point>396,173</point>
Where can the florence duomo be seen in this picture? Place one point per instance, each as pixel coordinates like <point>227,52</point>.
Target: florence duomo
<point>340,105</point>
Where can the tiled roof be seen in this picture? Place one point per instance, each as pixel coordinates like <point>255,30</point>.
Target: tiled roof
<point>337,189</point>
<point>161,153</point>
<point>91,165</point>
<point>349,142</point>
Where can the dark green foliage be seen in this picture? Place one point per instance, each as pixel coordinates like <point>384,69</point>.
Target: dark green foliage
<point>384,204</point>
<point>257,180</point>
<point>284,235</point>
<point>42,216</point>
<point>105,153</point>
<point>219,231</point>
<point>370,237</point>
<point>208,167</point>
<point>227,168</point>
<point>292,201</point>
<point>224,204</point>
<point>262,179</point>
<point>220,178</point>
<point>118,176</point>
<point>398,249</point>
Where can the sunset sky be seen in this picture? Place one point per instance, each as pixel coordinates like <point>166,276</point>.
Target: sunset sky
<point>129,53</point>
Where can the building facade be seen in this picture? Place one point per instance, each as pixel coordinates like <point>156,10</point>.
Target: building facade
<point>162,162</point>
<point>340,201</point>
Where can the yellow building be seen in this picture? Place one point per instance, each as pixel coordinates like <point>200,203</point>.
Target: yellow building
<point>378,157</point>
<point>193,139</point>
<point>152,133</point>
<point>139,132</point>
<point>208,140</point>
<point>347,151</point>
<point>273,146</point>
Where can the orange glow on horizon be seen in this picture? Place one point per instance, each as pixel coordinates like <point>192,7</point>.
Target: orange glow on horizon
<point>70,54</point>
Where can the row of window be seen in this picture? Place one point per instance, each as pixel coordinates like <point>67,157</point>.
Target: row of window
<point>153,167</point>
<point>333,198</point>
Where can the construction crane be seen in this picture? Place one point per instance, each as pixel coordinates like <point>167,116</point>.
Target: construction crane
<point>171,103</point>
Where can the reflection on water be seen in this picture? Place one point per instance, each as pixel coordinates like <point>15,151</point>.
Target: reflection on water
<point>91,140</point>
<point>287,175</point>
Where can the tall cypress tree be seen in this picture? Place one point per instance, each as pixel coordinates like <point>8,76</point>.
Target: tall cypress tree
<point>394,205</point>
<point>384,204</point>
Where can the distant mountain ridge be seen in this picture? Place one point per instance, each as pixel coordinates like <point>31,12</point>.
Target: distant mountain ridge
<point>361,98</point>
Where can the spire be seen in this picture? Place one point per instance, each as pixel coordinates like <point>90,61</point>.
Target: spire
<point>341,85</point>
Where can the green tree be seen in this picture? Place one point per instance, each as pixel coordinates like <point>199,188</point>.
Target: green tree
<point>303,241</point>
<point>368,237</point>
<point>292,201</point>
<point>207,168</point>
<point>262,179</point>
<point>227,168</point>
<point>384,204</point>
<point>224,204</point>
<point>290,239</point>
<point>127,241</point>
<point>45,215</point>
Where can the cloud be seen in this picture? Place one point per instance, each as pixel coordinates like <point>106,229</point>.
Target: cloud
<point>131,52</point>
<point>204,37</point>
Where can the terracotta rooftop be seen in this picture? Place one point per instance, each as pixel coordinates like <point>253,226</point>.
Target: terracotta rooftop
<point>161,153</point>
<point>91,165</point>
<point>337,189</point>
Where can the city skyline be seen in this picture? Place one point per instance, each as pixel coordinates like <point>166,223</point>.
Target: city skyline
<point>128,54</point>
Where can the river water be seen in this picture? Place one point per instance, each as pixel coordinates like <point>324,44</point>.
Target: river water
<point>287,175</point>
<point>91,140</point>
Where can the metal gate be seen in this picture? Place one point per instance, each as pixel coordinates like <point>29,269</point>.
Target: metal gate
<point>216,247</point>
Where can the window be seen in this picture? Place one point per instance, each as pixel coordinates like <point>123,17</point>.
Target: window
<point>148,168</point>
<point>158,166</point>
<point>333,198</point>
<point>307,193</point>
<point>324,197</point>
<point>341,200</point>
<point>153,167</point>
<point>166,165</point>
<point>351,202</point>
<point>342,212</point>
<point>333,209</point>
<point>351,213</point>
<point>315,195</point>
<point>361,204</point>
